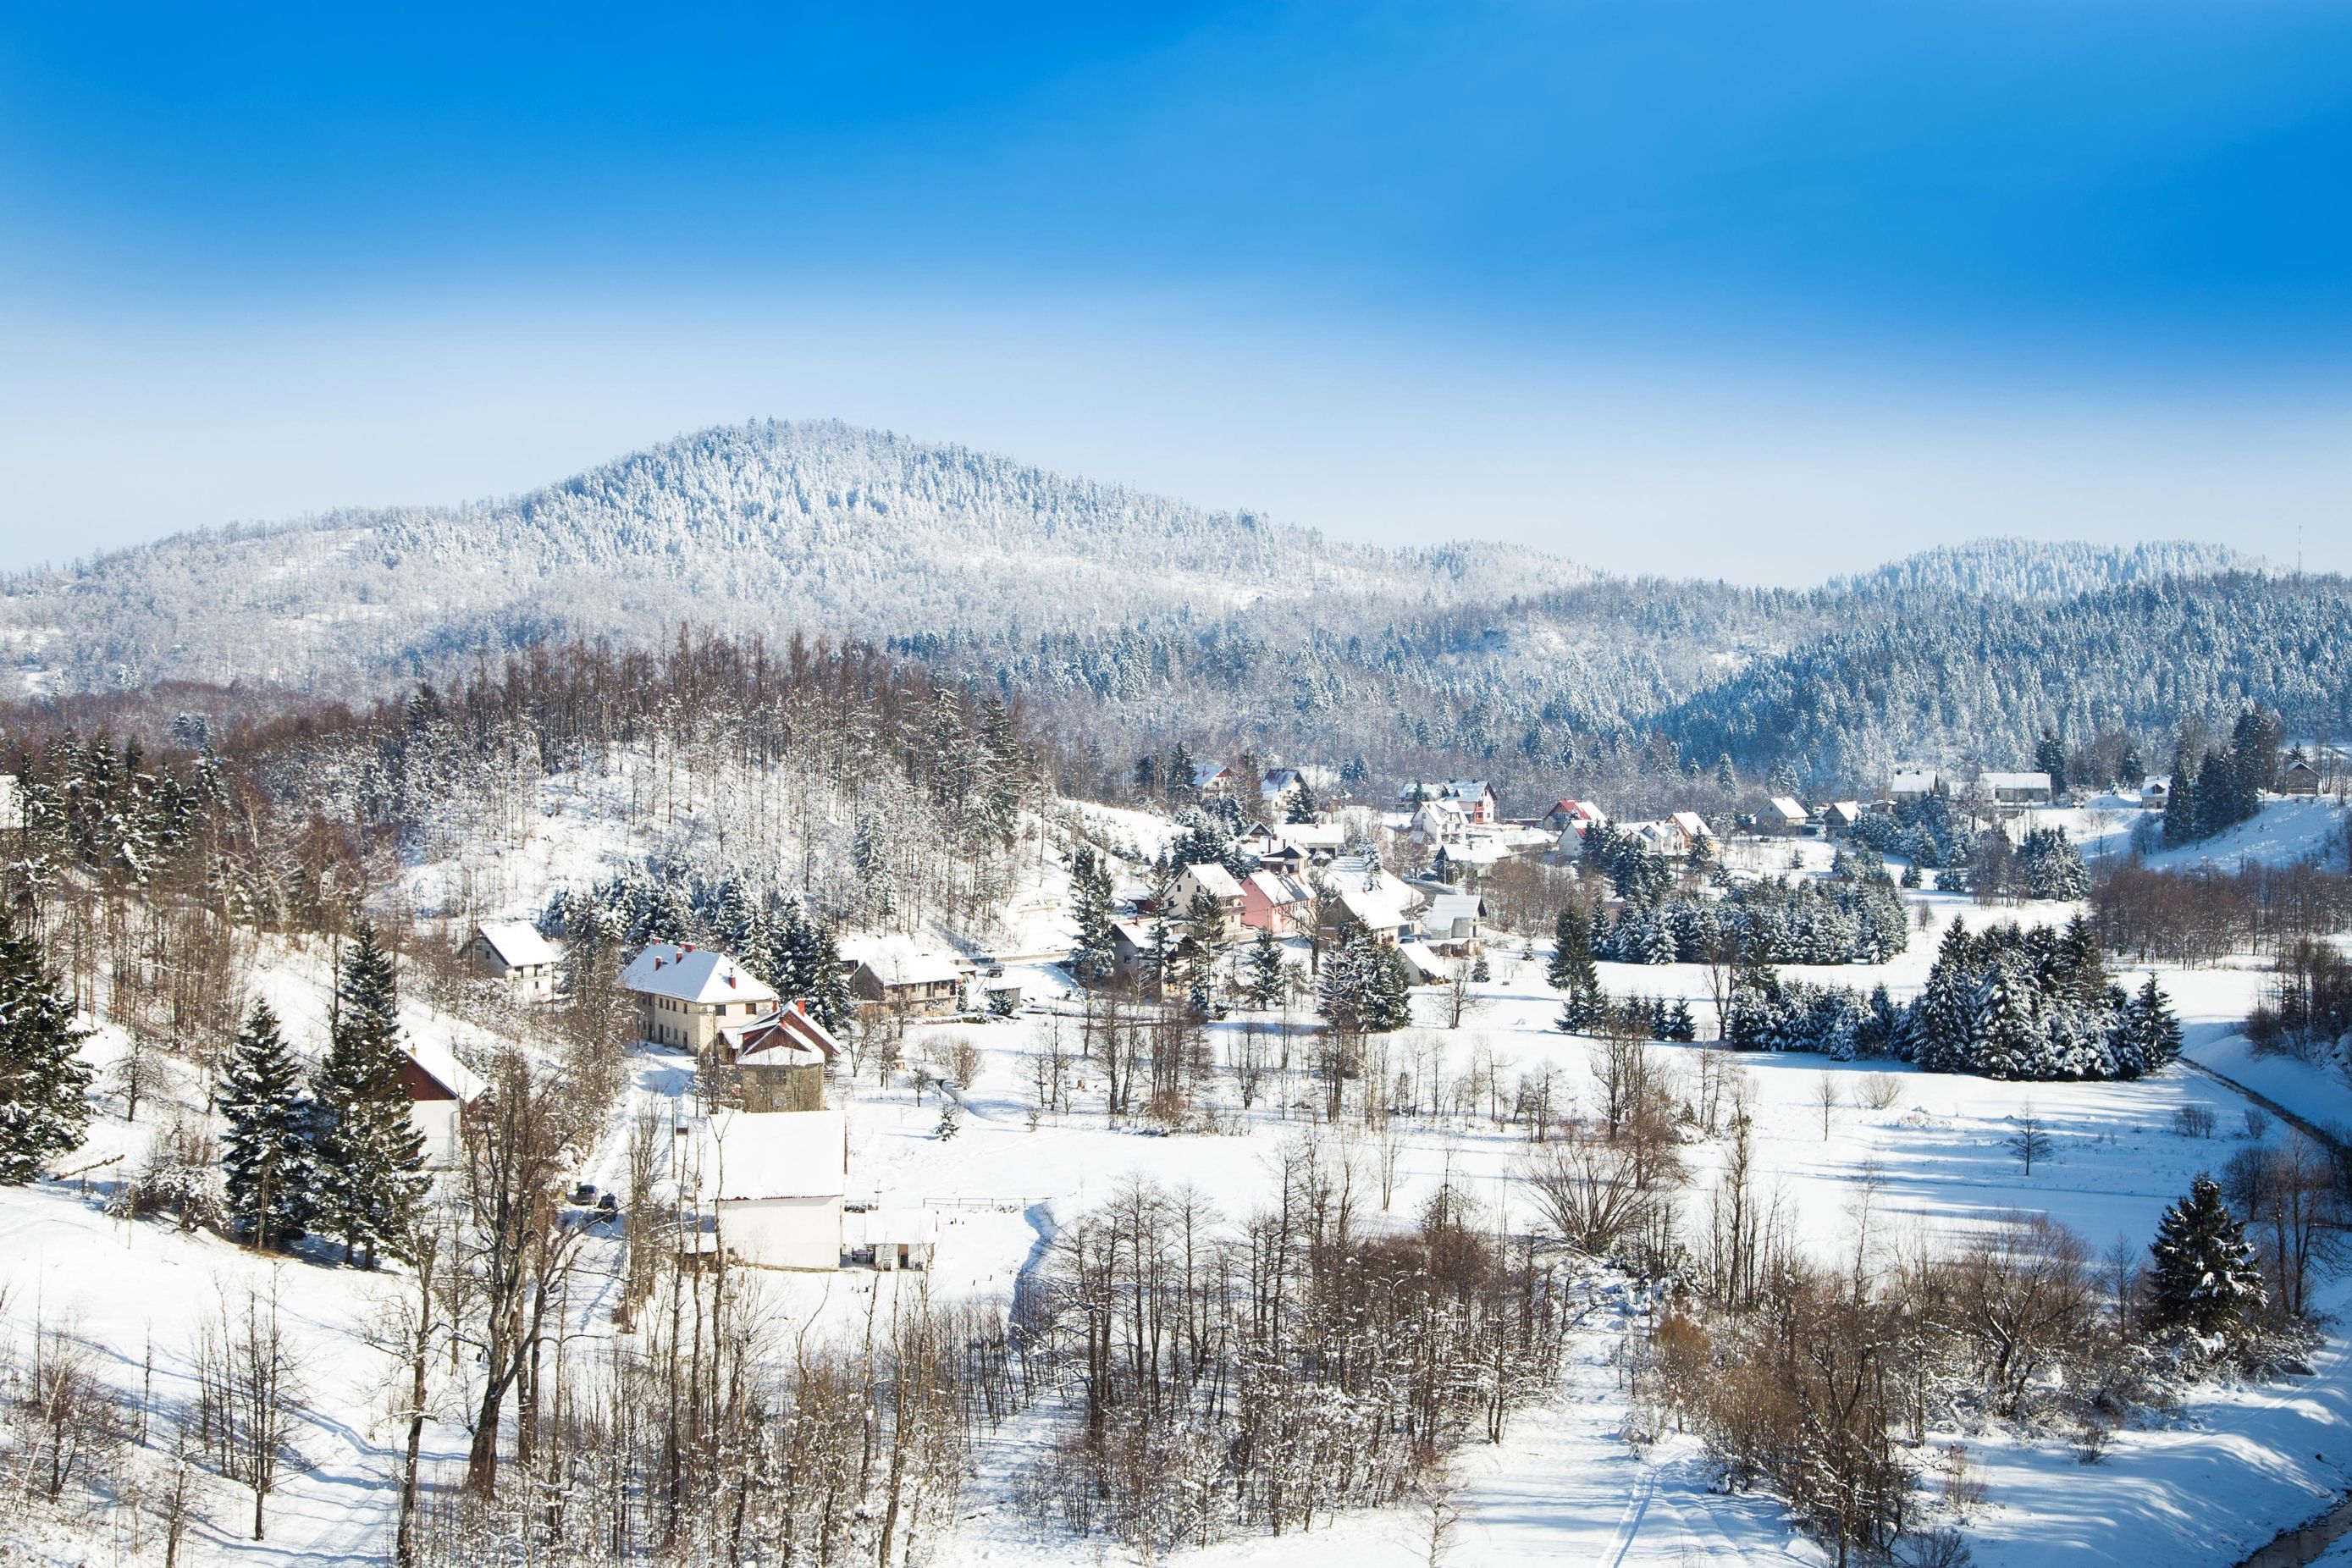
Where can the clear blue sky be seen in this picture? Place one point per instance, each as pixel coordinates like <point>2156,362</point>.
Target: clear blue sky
<point>1763,291</point>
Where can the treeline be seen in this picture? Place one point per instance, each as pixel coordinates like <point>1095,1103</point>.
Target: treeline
<point>1221,1379</point>
<point>2199,914</point>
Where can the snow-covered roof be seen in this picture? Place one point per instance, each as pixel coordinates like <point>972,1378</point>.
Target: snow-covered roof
<point>518,943</point>
<point>1427,967</point>
<point>1913,781</point>
<point>1376,907</point>
<point>1205,774</point>
<point>896,961</point>
<point>440,1064</point>
<point>747,1156</point>
<point>2017,781</point>
<point>1445,908</point>
<point>1276,889</point>
<point>1213,879</point>
<point>1464,789</point>
<point>890,1227</point>
<point>1693,825</point>
<point>1787,810</point>
<point>1312,835</point>
<point>785,1036</point>
<point>690,974</point>
<point>1847,810</point>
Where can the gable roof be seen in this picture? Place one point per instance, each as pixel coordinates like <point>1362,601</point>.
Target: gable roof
<point>747,1156</point>
<point>439,1063</point>
<point>1209,772</point>
<point>1445,908</point>
<point>2016,781</point>
<point>518,943</point>
<point>692,973</point>
<point>1276,889</point>
<point>1692,824</point>
<point>1787,809</point>
<point>1212,878</point>
<point>786,1035</point>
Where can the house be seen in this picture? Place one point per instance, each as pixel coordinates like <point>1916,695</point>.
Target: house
<point>1781,815</point>
<point>1450,923</point>
<point>1577,815</point>
<point>1381,905</point>
<point>1134,956</point>
<point>781,1059</point>
<point>1908,787</point>
<point>1442,822</point>
<point>1220,885</point>
<point>2155,793</point>
<point>775,1184</point>
<point>893,1238</point>
<point>1694,828</point>
<point>1279,786</point>
<point>1275,901</point>
<point>1319,841</point>
<point>1841,813</point>
<point>1475,798</point>
<point>2017,789</point>
<point>2298,777</point>
<point>438,1087</point>
<point>1424,964</point>
<point>1257,840</point>
<point>1212,781</point>
<point>514,951</point>
<point>919,983</point>
<point>687,994</point>
<point>1662,837</point>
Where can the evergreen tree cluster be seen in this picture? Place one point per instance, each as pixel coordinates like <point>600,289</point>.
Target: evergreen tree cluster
<point>1364,987</point>
<point>2203,1274</point>
<point>1806,922</point>
<point>343,1158</point>
<point>87,803</point>
<point>2215,792</point>
<point>771,932</point>
<point>1091,909</point>
<point>1925,832</point>
<point>43,1111</point>
<point>2013,1002</point>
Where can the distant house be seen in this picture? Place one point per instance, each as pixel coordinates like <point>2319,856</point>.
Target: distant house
<point>1577,815</point>
<point>890,1239</point>
<point>1380,905</point>
<point>2154,792</point>
<point>2298,777</point>
<point>776,1183</point>
<point>1781,815</point>
<point>920,983</point>
<point>1212,780</point>
<point>1474,797</point>
<point>514,951</point>
<point>685,995</point>
<point>1442,822</point>
<point>1222,887</point>
<point>1423,964</point>
<point>1318,841</point>
<point>438,1088</point>
<point>1273,902</point>
<point>1135,959</point>
<point>781,1059</point>
<point>1911,785</point>
<point>1258,841</point>
<point>2016,788</point>
<point>1841,814</point>
<point>1450,923</point>
<point>1694,826</point>
<point>1279,786</point>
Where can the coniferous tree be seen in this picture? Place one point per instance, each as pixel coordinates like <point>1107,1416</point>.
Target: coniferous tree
<point>2150,1032</point>
<point>1302,803</point>
<point>1262,977</point>
<point>2180,803</point>
<point>266,1164</point>
<point>2204,1276</point>
<point>43,1113</point>
<point>2050,757</point>
<point>1090,907</point>
<point>370,1154</point>
<point>1571,969</point>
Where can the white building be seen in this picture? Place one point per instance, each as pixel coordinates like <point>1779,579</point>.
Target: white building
<point>514,951</point>
<point>687,994</point>
<point>439,1086</point>
<point>775,1182</point>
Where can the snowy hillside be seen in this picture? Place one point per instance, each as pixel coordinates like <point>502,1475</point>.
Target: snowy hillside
<point>2047,569</point>
<point>759,528</point>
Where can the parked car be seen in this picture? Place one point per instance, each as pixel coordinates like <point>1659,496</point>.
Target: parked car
<point>584,1193</point>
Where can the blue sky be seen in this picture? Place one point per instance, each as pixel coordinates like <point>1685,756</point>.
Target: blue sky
<point>1765,291</point>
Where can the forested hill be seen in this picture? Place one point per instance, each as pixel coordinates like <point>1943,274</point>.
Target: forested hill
<point>2053,569</point>
<point>762,527</point>
<point>1123,620</point>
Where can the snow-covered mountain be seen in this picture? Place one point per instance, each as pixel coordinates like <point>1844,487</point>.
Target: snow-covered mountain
<point>2036,569</point>
<point>763,526</point>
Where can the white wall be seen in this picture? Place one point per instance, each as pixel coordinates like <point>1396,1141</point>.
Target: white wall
<point>437,1120</point>
<point>783,1233</point>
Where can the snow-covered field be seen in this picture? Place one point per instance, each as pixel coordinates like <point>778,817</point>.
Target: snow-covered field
<point>2234,1466</point>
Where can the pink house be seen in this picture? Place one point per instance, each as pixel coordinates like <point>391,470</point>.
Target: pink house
<point>1273,902</point>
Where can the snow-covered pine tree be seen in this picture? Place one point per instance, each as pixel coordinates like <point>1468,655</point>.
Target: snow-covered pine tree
<point>2150,1034</point>
<point>370,1155</point>
<point>2180,803</point>
<point>43,1113</point>
<point>1090,910</point>
<point>267,1163</point>
<point>1262,972</point>
<point>2204,1277</point>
